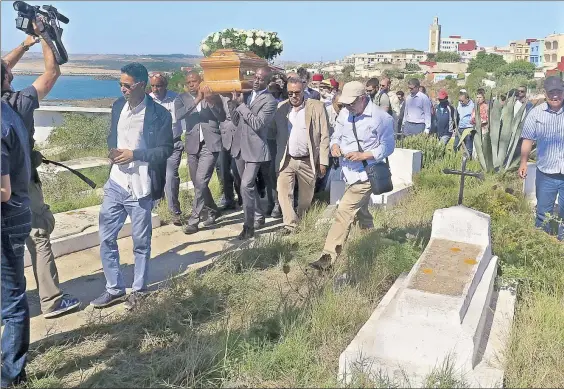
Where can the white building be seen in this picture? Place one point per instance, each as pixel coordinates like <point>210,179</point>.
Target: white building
<point>369,61</point>
<point>451,43</point>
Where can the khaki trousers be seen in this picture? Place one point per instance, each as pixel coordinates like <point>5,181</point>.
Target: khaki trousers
<point>39,246</point>
<point>355,198</point>
<point>295,169</point>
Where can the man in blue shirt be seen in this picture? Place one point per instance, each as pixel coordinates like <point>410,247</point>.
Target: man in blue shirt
<point>16,226</point>
<point>445,117</point>
<point>545,126</point>
<point>465,108</point>
<point>375,131</point>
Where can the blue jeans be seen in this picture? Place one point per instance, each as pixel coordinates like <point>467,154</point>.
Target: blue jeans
<point>547,187</point>
<point>15,311</point>
<point>116,206</point>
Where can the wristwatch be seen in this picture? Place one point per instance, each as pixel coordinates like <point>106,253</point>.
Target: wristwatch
<point>25,47</point>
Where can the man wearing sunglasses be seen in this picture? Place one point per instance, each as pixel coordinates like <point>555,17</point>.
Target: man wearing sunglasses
<point>363,132</point>
<point>140,142</point>
<point>545,126</point>
<point>521,99</point>
<point>302,138</point>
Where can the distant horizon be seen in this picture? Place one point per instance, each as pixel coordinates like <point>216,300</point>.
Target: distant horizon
<point>375,27</point>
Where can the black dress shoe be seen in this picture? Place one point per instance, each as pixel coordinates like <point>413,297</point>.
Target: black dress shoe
<point>227,206</point>
<point>323,263</point>
<point>211,220</point>
<point>247,233</point>
<point>189,229</point>
<point>176,219</point>
<point>258,224</point>
<point>276,212</point>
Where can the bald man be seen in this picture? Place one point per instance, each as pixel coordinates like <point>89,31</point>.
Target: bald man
<point>165,97</point>
<point>200,112</point>
<point>252,115</point>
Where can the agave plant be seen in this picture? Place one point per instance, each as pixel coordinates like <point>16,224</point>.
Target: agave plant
<point>498,149</point>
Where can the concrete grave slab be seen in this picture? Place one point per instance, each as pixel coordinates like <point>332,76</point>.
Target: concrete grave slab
<point>78,230</point>
<point>442,309</point>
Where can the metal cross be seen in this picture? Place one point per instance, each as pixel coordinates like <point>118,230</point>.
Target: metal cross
<point>463,173</point>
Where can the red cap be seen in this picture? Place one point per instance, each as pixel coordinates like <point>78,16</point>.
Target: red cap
<point>317,77</point>
<point>334,83</point>
<point>442,94</point>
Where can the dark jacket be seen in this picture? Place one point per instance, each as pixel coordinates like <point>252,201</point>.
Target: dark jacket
<point>447,128</point>
<point>157,133</point>
<point>209,118</point>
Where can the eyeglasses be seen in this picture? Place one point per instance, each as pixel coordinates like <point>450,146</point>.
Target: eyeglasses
<point>292,93</point>
<point>127,86</point>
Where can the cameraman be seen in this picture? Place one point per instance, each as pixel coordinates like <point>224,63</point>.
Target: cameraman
<point>53,302</point>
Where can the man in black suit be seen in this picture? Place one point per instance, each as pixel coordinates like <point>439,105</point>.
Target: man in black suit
<point>200,113</point>
<point>252,117</point>
<point>308,92</point>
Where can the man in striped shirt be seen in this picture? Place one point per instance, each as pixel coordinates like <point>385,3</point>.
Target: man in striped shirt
<point>545,126</point>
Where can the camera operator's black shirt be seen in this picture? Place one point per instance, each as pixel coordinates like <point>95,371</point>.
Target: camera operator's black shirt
<point>24,102</point>
<point>16,161</point>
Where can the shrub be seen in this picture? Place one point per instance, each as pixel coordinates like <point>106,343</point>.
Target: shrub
<point>81,135</point>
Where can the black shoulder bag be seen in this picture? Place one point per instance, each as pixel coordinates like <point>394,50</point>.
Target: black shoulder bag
<point>379,174</point>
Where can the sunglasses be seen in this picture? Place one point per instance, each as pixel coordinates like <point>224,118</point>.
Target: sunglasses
<point>127,86</point>
<point>292,93</point>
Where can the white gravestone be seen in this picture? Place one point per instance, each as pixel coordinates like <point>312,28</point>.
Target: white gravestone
<point>442,309</point>
<point>404,164</point>
<point>529,183</point>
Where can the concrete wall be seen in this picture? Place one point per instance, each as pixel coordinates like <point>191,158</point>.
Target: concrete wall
<point>48,117</point>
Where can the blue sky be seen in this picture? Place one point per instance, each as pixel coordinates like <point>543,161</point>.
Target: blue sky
<point>312,31</point>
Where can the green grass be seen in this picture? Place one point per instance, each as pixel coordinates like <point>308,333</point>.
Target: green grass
<point>258,319</point>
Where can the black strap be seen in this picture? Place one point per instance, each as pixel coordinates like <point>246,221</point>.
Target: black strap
<point>364,163</point>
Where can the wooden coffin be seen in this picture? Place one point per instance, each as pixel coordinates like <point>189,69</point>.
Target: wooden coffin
<point>228,70</point>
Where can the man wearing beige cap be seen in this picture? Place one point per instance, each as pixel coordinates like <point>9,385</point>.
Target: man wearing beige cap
<point>363,132</point>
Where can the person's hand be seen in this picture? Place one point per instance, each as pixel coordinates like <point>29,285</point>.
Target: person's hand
<point>336,151</point>
<point>30,40</point>
<point>355,156</point>
<point>124,157</point>
<point>35,28</point>
<point>523,170</point>
<point>207,94</point>
<point>237,98</point>
<point>322,170</point>
<point>200,95</point>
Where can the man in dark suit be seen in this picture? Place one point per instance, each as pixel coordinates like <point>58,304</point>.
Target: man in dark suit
<point>200,113</point>
<point>226,168</point>
<point>252,119</point>
<point>309,93</point>
<point>140,142</point>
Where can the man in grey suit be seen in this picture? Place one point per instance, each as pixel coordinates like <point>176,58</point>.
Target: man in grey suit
<point>250,147</point>
<point>200,113</point>
<point>226,169</point>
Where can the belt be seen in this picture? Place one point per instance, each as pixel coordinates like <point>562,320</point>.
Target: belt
<point>306,157</point>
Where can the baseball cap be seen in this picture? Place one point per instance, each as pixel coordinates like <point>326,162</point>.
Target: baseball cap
<point>442,94</point>
<point>351,91</point>
<point>553,83</point>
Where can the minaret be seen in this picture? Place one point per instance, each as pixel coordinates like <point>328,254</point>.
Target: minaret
<point>434,36</point>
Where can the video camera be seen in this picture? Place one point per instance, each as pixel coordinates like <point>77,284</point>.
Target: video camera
<point>47,23</point>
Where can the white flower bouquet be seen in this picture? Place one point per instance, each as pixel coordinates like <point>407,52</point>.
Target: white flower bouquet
<point>265,44</point>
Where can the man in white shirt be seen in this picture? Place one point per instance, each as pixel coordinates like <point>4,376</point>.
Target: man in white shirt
<point>302,138</point>
<point>165,97</point>
<point>375,137</point>
<point>140,142</point>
